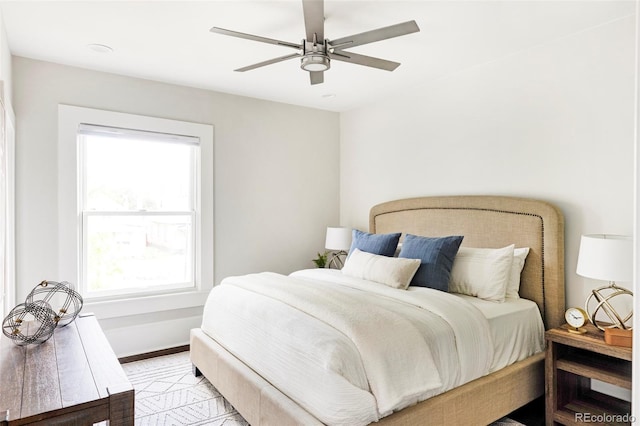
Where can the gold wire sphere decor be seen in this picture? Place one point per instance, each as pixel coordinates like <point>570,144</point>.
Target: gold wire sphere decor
<point>600,299</point>
<point>35,320</point>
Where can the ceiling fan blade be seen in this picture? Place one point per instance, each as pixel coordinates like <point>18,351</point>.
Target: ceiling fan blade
<point>313,11</point>
<point>376,35</point>
<point>254,37</point>
<point>367,61</point>
<point>269,62</point>
<point>316,77</point>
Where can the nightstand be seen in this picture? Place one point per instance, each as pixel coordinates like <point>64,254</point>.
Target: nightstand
<point>572,360</point>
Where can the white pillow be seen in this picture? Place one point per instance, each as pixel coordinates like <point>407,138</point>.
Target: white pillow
<point>392,271</point>
<point>513,287</point>
<point>482,272</point>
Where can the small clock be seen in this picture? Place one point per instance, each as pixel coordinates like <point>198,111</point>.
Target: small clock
<point>576,318</point>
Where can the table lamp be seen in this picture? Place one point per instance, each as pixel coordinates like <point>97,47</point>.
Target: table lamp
<point>339,241</point>
<point>608,258</point>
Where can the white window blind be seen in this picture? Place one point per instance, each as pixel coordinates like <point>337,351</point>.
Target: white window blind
<point>133,134</point>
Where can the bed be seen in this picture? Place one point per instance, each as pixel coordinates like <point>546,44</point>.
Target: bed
<point>485,222</point>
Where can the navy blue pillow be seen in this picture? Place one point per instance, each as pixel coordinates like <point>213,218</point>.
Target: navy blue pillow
<point>382,244</point>
<point>436,255</point>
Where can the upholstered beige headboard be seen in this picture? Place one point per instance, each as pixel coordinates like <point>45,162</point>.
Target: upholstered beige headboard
<point>492,221</point>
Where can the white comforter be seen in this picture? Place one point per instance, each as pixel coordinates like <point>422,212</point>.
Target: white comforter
<point>347,350</point>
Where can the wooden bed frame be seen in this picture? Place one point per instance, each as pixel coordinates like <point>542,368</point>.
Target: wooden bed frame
<point>485,221</point>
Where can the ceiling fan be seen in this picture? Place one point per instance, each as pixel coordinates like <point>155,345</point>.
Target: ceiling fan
<point>316,52</point>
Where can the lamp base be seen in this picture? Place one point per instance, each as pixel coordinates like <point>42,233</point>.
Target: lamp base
<point>603,296</point>
<point>336,260</point>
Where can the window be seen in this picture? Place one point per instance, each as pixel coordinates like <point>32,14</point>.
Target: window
<point>138,210</point>
<point>135,210</point>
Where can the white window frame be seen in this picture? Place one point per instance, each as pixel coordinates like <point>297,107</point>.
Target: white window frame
<point>70,211</point>
<point>89,130</point>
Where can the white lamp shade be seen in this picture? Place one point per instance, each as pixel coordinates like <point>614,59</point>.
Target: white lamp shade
<point>606,257</point>
<point>338,239</point>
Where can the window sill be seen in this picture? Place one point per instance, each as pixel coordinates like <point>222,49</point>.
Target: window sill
<point>145,304</point>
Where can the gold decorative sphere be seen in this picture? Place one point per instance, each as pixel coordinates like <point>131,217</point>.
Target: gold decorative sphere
<point>600,299</point>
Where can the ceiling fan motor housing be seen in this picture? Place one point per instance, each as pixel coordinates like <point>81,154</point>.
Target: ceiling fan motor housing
<point>315,56</point>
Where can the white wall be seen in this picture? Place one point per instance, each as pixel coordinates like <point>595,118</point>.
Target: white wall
<point>635,395</point>
<point>7,264</point>
<point>276,184</point>
<point>554,122</point>
<point>5,64</point>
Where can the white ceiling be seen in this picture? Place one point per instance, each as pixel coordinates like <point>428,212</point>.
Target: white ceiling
<point>169,41</point>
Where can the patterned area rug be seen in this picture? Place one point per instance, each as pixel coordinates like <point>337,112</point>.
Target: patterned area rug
<point>168,394</point>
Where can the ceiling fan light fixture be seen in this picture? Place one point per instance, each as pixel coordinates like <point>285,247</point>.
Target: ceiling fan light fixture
<point>314,63</point>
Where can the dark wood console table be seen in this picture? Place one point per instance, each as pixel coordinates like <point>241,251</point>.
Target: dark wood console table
<point>74,378</point>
